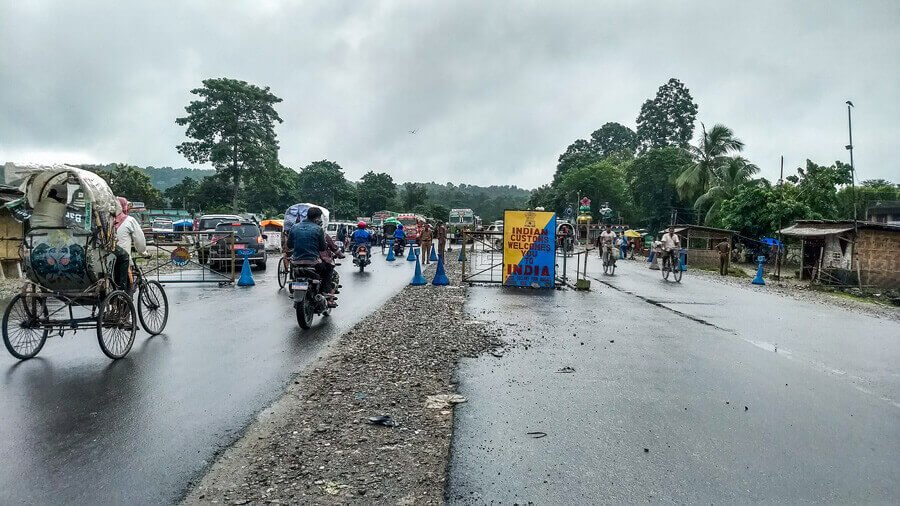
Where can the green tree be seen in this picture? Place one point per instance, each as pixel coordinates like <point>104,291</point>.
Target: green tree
<point>867,194</point>
<point>578,154</point>
<point>758,210</point>
<point>668,119</point>
<point>323,183</point>
<point>728,179</point>
<point>710,154</point>
<point>602,182</point>
<point>271,190</point>
<point>376,192</point>
<point>184,194</point>
<point>614,138</point>
<point>817,187</point>
<point>414,194</point>
<point>233,127</point>
<point>213,195</point>
<point>651,177</point>
<point>438,212</point>
<point>129,182</point>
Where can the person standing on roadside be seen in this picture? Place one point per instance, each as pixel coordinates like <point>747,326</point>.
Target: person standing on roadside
<point>427,237</point>
<point>442,238</point>
<point>724,249</point>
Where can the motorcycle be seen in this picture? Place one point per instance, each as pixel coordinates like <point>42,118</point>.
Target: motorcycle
<point>306,288</point>
<point>399,246</point>
<point>361,257</point>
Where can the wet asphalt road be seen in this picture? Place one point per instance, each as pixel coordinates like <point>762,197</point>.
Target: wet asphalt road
<point>78,428</point>
<point>690,403</point>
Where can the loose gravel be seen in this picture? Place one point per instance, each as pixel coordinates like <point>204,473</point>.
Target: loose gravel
<point>317,445</point>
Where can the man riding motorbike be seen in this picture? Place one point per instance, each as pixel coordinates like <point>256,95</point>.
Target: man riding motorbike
<point>607,240</point>
<point>399,240</point>
<point>307,240</point>
<point>670,243</point>
<point>361,237</point>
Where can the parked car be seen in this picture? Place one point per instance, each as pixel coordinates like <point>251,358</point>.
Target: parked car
<point>208,222</point>
<point>247,236</point>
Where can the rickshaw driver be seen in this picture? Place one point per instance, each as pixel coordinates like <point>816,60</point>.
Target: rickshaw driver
<point>307,240</point>
<point>361,236</point>
<point>128,235</point>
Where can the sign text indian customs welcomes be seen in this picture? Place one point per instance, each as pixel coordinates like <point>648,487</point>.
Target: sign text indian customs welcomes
<point>529,248</point>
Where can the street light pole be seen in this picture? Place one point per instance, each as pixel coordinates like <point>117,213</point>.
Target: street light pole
<point>853,192</point>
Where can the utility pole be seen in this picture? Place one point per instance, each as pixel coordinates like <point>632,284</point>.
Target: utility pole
<point>778,254</point>
<point>853,187</point>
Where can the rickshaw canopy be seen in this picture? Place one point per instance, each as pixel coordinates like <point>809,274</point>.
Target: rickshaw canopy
<point>38,181</point>
<point>272,223</point>
<point>297,213</point>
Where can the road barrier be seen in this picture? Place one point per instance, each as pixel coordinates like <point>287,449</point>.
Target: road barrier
<point>418,279</point>
<point>246,276</point>
<point>433,257</point>
<point>440,275</point>
<point>390,256</point>
<point>411,257</point>
<point>185,257</point>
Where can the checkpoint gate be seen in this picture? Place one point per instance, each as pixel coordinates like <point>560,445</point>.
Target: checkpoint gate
<point>188,257</point>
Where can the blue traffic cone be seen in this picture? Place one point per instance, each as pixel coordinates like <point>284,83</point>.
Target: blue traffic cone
<point>433,257</point>
<point>462,255</point>
<point>418,279</point>
<point>390,256</point>
<point>440,276</point>
<point>246,276</point>
<point>411,257</point>
<point>650,257</point>
<point>681,264</point>
<point>758,280</point>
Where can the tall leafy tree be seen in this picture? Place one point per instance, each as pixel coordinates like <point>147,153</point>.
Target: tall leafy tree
<point>867,194</point>
<point>323,183</point>
<point>232,125</point>
<point>710,155</point>
<point>728,179</point>
<point>271,190</point>
<point>414,194</point>
<point>184,194</point>
<point>578,154</point>
<point>131,183</point>
<point>376,192</point>
<point>667,119</point>
<point>614,138</point>
<point>758,210</point>
<point>651,179</point>
<point>817,187</point>
<point>603,181</point>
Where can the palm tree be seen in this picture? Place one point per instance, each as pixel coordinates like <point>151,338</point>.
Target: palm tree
<point>709,154</point>
<point>736,171</point>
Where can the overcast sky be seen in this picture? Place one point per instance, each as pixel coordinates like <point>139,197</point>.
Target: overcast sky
<point>495,90</point>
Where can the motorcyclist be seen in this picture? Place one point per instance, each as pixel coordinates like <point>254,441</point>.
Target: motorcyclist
<point>307,240</point>
<point>361,237</point>
<point>670,243</point>
<point>399,238</point>
<point>607,240</point>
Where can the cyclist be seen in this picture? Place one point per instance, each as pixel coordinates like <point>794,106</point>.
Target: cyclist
<point>607,241</point>
<point>670,243</point>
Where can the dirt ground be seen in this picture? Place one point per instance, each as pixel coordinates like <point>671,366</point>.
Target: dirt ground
<point>316,444</point>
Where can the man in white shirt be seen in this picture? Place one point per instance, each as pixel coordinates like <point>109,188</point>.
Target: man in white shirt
<point>607,240</point>
<point>670,243</point>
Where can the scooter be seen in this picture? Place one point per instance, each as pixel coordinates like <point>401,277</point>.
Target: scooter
<point>399,246</point>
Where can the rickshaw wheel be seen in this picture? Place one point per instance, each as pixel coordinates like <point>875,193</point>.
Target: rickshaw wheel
<point>26,337</point>
<point>116,324</point>
<point>153,307</point>
<point>282,273</point>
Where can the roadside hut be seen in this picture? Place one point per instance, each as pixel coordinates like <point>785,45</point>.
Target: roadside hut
<point>700,243</point>
<point>827,254</point>
<point>11,234</point>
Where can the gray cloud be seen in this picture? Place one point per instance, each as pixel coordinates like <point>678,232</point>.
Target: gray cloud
<point>496,90</point>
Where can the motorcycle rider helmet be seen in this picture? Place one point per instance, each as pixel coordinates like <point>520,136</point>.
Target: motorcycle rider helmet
<point>361,225</point>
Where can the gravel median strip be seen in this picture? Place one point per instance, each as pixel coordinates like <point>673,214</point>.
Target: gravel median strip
<point>317,444</point>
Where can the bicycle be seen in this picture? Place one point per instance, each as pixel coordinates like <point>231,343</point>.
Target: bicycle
<point>609,261</point>
<point>670,266</point>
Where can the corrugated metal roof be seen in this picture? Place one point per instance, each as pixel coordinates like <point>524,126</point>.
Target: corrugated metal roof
<point>809,229</point>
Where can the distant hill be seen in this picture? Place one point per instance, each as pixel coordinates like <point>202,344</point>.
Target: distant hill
<point>489,202</point>
<point>167,177</point>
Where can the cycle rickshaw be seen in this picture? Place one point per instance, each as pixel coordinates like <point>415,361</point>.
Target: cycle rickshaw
<point>68,257</point>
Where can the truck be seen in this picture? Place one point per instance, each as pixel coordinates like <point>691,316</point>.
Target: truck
<point>413,224</point>
<point>460,219</point>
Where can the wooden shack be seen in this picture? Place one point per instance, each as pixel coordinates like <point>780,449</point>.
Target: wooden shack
<point>11,234</point>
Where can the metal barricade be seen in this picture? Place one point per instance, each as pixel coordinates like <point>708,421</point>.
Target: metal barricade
<point>189,257</point>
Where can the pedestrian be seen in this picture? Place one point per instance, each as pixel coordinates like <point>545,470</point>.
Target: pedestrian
<point>631,249</point>
<point>425,240</point>
<point>442,238</point>
<point>723,248</point>
<point>656,253</point>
